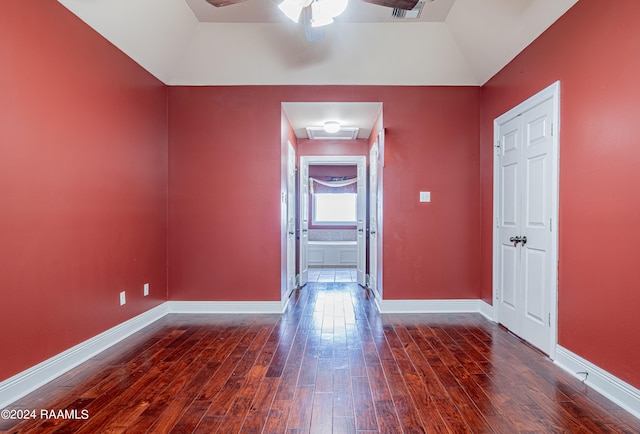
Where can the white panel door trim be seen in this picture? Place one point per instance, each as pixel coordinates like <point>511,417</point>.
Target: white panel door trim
<point>361,226</point>
<point>373,217</point>
<point>551,92</point>
<point>291,220</point>
<point>303,203</point>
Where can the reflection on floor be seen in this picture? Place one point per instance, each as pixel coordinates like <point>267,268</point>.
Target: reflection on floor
<point>329,274</point>
<point>331,363</point>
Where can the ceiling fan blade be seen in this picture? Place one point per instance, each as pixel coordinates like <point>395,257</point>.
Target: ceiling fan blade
<point>220,3</point>
<point>312,33</point>
<point>398,4</point>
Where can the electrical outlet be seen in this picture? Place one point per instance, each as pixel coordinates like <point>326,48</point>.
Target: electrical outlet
<point>123,298</point>
<point>146,289</point>
<point>425,196</point>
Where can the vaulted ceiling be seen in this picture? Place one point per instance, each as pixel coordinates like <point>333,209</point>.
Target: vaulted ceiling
<point>189,42</point>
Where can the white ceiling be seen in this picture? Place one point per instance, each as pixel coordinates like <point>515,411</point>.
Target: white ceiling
<point>189,42</point>
<point>349,114</point>
<point>263,11</point>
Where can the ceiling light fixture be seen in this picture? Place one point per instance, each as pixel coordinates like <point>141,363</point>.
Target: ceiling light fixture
<point>322,11</point>
<point>292,8</point>
<point>331,126</point>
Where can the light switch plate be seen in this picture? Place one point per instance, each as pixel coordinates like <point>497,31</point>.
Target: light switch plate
<point>425,196</point>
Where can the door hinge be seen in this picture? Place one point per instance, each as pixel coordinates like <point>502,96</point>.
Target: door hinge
<point>550,225</point>
<point>549,319</point>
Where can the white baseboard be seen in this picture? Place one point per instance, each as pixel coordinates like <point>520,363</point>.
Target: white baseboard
<point>27,381</point>
<point>431,306</point>
<point>376,298</point>
<point>616,390</point>
<point>486,310</point>
<point>225,306</point>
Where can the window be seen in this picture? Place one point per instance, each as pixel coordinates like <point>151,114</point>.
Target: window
<point>334,208</point>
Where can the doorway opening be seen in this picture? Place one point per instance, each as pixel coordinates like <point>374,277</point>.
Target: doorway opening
<point>330,212</point>
<point>333,215</point>
<point>333,210</point>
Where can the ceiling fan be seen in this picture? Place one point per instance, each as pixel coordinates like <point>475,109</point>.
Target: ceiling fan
<point>318,13</point>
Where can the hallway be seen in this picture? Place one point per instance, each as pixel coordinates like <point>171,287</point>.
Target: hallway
<point>330,363</point>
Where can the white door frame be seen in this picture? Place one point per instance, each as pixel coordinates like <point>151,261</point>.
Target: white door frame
<point>303,212</point>
<point>360,161</point>
<point>373,217</point>
<point>290,200</point>
<point>551,92</point>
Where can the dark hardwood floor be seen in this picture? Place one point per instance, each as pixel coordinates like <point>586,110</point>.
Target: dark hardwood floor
<point>331,363</point>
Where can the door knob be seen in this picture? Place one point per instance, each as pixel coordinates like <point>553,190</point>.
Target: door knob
<point>518,239</point>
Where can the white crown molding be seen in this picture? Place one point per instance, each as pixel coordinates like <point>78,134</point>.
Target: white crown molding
<point>613,388</point>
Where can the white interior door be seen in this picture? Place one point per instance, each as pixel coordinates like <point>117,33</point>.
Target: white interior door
<point>361,216</point>
<point>526,240</point>
<point>509,226</point>
<point>373,217</point>
<point>536,251</point>
<point>291,219</point>
<point>304,223</point>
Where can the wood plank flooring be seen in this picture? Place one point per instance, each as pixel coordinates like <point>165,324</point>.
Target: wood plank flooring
<point>331,363</point>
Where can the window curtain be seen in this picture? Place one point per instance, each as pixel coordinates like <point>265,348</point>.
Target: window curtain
<point>335,185</point>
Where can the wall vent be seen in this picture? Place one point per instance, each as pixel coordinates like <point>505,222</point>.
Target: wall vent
<point>412,14</point>
<point>345,133</point>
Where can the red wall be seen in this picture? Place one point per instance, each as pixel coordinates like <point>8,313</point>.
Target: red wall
<point>225,186</point>
<point>431,250</point>
<point>333,147</point>
<point>344,172</point>
<point>593,50</point>
<point>224,193</point>
<point>83,183</point>
<point>83,175</point>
